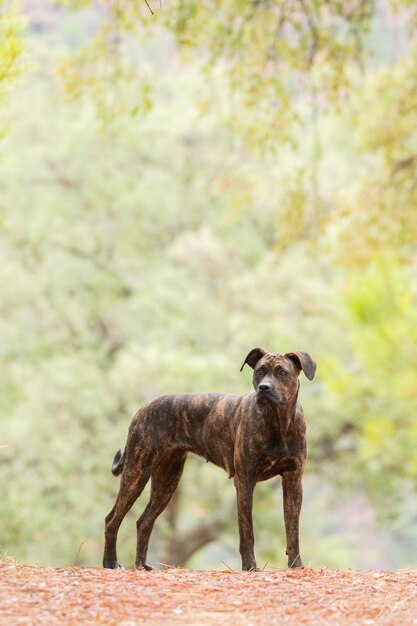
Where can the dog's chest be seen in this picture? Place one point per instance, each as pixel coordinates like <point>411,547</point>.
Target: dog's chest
<point>267,464</point>
<point>266,469</point>
<point>275,455</point>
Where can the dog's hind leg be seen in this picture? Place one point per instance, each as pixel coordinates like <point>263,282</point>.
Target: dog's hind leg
<point>132,483</point>
<point>166,475</point>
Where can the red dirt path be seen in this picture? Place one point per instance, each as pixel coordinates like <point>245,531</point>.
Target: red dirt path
<point>77,596</point>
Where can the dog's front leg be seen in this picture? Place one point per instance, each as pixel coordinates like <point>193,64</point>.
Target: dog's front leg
<point>244,492</point>
<point>293,499</point>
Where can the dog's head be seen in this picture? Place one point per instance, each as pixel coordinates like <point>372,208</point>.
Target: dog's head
<point>275,376</point>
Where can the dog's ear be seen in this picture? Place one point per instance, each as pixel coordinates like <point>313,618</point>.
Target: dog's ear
<point>304,361</point>
<point>253,357</point>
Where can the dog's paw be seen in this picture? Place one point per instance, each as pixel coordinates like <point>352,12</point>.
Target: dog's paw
<point>295,563</point>
<point>250,567</point>
<point>112,565</point>
<point>146,567</point>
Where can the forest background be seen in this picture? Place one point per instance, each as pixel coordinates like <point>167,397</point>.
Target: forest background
<point>179,184</point>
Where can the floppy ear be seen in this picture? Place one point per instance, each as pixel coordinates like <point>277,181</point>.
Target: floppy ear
<point>304,362</point>
<point>253,357</point>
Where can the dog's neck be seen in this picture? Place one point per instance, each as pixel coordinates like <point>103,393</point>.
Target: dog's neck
<point>277,417</point>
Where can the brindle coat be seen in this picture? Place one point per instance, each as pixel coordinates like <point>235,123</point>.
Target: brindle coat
<point>253,437</point>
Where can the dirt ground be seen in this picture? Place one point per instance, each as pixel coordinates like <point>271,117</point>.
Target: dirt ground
<point>40,595</point>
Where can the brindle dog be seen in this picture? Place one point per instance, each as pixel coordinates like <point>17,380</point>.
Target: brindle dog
<point>253,437</point>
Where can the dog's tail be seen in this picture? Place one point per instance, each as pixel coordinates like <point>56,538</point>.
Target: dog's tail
<point>117,465</point>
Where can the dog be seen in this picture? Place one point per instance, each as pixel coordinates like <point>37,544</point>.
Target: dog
<point>254,437</point>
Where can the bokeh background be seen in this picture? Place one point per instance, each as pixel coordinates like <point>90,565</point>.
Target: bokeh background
<point>175,189</point>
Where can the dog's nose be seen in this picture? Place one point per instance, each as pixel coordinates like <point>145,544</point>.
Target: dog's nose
<point>265,387</point>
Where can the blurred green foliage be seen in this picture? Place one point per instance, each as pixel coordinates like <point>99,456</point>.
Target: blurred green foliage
<point>11,49</point>
<point>11,42</point>
<point>159,218</point>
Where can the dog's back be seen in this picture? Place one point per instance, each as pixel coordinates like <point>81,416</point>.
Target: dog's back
<point>203,423</point>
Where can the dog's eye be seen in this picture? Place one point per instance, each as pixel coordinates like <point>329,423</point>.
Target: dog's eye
<point>282,372</point>
<point>259,372</point>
